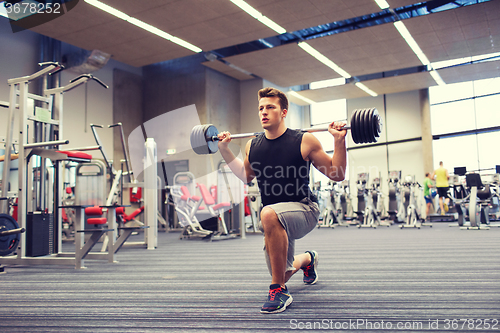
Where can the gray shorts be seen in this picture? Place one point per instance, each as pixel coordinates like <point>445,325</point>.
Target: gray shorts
<point>298,219</point>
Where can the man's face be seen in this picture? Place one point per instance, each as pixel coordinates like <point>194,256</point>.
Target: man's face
<point>270,112</point>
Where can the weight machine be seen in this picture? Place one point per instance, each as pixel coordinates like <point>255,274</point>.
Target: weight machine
<point>378,198</point>
<point>331,213</point>
<point>493,182</point>
<point>478,199</point>
<point>346,215</point>
<point>39,190</point>
<point>151,184</point>
<point>366,208</point>
<point>187,205</point>
<point>253,200</point>
<point>413,216</point>
<point>395,209</point>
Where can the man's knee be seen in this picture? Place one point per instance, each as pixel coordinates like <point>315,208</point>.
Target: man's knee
<point>268,218</point>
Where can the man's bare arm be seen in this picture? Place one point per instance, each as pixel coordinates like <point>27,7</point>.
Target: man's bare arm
<point>333,167</point>
<point>241,169</point>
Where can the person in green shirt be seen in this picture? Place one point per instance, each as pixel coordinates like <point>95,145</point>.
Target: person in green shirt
<point>428,184</point>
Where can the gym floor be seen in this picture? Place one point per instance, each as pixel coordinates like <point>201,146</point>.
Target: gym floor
<point>439,279</point>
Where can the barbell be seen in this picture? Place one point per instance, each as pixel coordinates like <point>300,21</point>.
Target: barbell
<point>366,126</point>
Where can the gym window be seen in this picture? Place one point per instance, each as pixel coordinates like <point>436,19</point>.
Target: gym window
<point>466,116</point>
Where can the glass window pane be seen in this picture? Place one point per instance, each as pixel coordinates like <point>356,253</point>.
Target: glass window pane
<point>475,151</point>
<point>453,117</point>
<point>488,111</point>
<point>487,86</point>
<point>451,92</point>
<point>326,112</point>
<point>456,152</point>
<point>487,144</point>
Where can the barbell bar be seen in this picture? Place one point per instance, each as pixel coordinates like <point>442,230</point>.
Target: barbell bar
<point>365,125</point>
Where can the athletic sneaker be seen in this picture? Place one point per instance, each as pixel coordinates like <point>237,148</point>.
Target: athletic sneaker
<point>310,274</point>
<point>446,208</point>
<point>277,301</point>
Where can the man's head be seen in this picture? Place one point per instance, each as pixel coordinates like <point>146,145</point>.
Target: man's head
<point>427,175</point>
<point>441,163</point>
<point>273,92</point>
<point>273,106</point>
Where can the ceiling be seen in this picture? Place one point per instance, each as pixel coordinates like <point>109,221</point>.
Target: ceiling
<point>217,24</point>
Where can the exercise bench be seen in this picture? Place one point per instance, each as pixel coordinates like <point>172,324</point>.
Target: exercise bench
<point>83,246</point>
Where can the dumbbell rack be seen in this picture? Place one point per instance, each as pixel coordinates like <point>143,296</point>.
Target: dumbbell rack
<point>40,127</point>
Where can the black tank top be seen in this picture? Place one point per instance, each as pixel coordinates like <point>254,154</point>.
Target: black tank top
<point>282,174</point>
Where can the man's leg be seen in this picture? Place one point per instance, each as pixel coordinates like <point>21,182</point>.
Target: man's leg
<point>299,261</point>
<point>276,242</point>
<point>308,262</point>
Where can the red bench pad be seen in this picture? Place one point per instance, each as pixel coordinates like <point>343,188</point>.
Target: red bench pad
<point>93,211</point>
<point>97,220</point>
<point>76,154</point>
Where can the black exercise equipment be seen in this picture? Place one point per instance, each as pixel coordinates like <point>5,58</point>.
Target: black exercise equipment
<point>366,127</point>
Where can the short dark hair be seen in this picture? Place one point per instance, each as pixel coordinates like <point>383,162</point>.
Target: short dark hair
<point>273,92</point>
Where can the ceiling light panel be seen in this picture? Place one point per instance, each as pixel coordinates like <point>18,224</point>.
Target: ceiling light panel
<point>304,14</point>
<point>143,25</point>
<point>259,16</point>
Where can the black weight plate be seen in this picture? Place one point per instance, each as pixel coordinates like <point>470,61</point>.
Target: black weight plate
<point>371,126</point>
<point>377,124</point>
<point>197,139</point>
<point>8,243</point>
<point>213,146</point>
<point>368,126</point>
<point>354,127</point>
<point>365,121</point>
<point>359,139</point>
<point>360,121</point>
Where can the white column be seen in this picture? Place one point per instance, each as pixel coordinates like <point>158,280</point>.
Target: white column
<point>150,193</point>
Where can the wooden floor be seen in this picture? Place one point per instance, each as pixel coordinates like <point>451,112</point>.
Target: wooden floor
<point>385,279</point>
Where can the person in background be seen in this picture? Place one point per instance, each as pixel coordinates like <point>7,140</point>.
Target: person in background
<point>442,186</point>
<point>428,184</point>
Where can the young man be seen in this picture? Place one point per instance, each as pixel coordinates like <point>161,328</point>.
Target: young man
<point>280,159</point>
<point>442,186</point>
